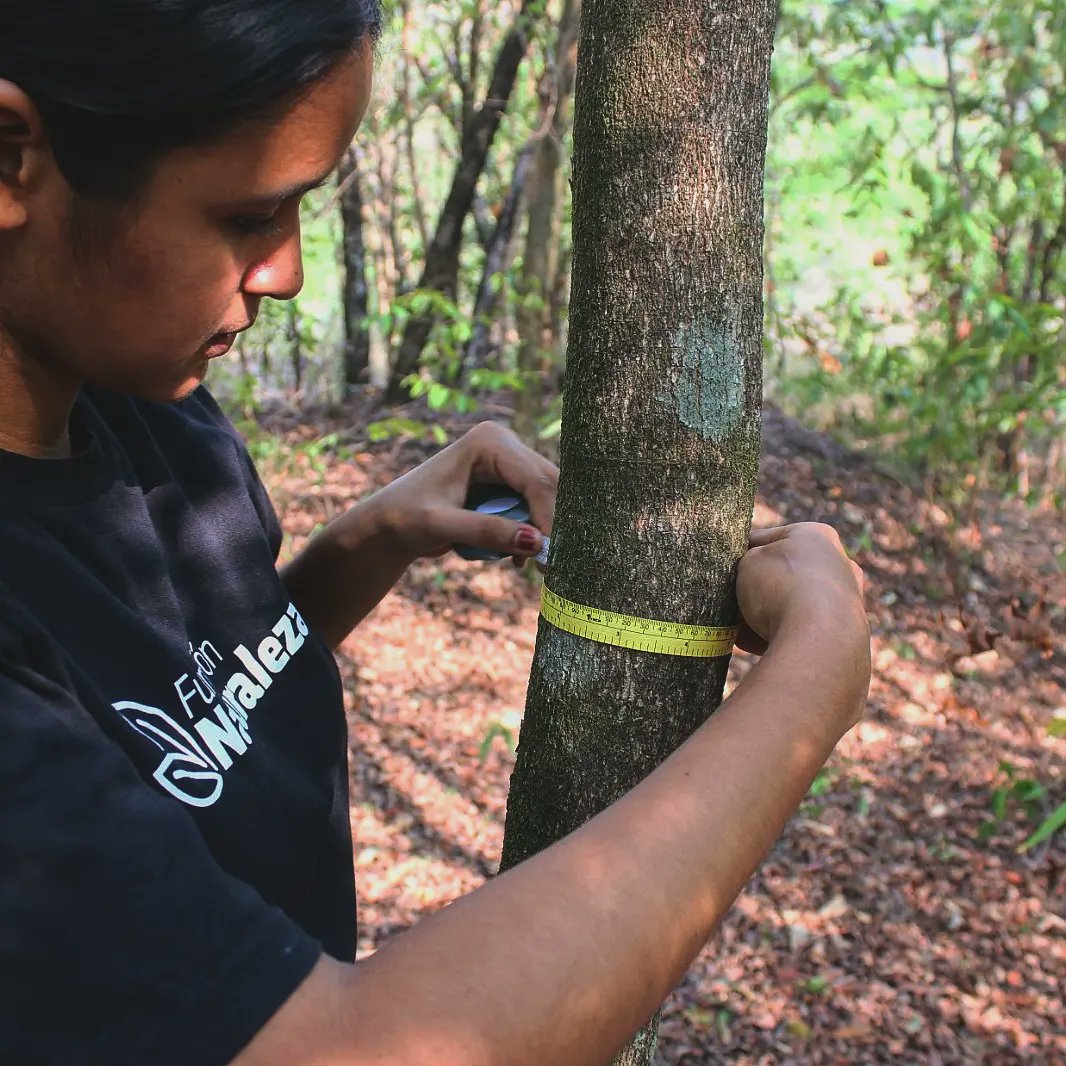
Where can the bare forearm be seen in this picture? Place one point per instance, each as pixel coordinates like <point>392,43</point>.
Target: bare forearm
<point>561,959</point>
<point>342,575</point>
<point>571,953</point>
<point>349,568</point>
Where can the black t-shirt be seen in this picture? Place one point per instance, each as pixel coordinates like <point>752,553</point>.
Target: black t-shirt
<point>175,850</point>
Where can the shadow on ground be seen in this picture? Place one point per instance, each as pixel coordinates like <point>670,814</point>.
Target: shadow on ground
<point>882,929</point>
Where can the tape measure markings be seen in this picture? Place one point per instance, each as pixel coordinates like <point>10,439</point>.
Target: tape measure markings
<point>639,634</point>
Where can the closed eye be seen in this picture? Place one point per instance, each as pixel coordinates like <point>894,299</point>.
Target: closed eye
<point>265,223</point>
<point>255,225</point>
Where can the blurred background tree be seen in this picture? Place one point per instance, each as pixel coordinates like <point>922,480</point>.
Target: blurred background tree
<point>915,250</point>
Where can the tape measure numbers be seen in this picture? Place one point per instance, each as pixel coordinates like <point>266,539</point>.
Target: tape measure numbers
<point>640,634</point>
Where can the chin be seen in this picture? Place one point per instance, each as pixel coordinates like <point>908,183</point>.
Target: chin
<point>191,385</point>
<point>171,393</point>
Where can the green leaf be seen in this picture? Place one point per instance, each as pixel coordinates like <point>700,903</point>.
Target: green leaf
<point>1048,828</point>
<point>438,396</point>
<point>497,729</point>
<point>973,230</point>
<point>822,784</point>
<point>389,428</point>
<point>1029,791</point>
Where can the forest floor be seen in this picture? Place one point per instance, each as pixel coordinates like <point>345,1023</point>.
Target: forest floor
<point>883,928</point>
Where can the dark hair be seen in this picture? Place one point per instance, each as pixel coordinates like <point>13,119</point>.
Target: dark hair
<point>119,82</point>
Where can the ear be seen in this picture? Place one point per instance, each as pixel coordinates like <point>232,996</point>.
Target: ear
<point>25,154</point>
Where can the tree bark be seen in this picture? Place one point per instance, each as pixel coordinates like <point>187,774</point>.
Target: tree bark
<point>356,289</point>
<point>441,268</point>
<point>540,264</point>
<point>388,166</point>
<point>499,254</point>
<point>408,120</point>
<point>294,339</point>
<point>660,440</point>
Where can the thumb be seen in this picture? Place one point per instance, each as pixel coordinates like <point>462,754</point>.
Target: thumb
<point>760,537</point>
<point>492,533</point>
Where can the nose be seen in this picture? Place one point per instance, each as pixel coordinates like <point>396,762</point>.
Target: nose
<point>281,275</point>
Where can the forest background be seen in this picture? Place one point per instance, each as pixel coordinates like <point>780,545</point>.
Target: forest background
<point>915,296</point>
<point>915,245</point>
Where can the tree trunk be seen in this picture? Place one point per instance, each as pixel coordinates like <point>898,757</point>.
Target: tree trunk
<point>660,440</point>
<point>498,256</point>
<point>441,268</point>
<point>540,261</point>
<point>294,339</point>
<point>356,289</point>
<point>388,166</point>
<point>408,119</point>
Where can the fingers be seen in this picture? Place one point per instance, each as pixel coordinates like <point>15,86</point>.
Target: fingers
<point>797,572</point>
<point>492,533</point>
<point>499,455</point>
<point>760,537</point>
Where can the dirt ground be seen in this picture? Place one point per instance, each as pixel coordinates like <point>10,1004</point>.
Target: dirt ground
<point>882,928</point>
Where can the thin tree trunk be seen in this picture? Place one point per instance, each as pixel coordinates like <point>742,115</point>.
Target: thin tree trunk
<point>264,361</point>
<point>537,283</point>
<point>356,289</point>
<point>295,342</point>
<point>388,165</point>
<point>247,374</point>
<point>484,223</point>
<point>498,256</point>
<point>660,437</point>
<point>407,111</point>
<point>441,268</point>
<point>375,234</point>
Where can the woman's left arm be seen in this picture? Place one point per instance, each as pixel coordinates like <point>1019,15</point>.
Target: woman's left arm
<point>351,565</point>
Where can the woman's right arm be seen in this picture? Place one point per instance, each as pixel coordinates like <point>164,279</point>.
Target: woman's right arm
<point>563,958</point>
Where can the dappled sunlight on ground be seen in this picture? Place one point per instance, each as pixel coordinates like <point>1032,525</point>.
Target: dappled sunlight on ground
<point>881,929</point>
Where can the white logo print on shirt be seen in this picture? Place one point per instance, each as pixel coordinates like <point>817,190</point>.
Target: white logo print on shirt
<point>195,759</point>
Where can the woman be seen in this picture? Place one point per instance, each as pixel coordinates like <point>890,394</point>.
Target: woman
<point>176,882</point>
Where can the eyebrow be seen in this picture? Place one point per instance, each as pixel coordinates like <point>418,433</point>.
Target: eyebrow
<point>290,192</point>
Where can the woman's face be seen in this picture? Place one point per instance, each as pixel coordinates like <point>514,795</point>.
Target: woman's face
<point>143,305</point>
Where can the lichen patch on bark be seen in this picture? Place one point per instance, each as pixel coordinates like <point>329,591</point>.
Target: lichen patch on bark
<point>710,386</point>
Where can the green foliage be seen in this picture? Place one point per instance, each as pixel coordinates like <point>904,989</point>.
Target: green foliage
<point>1016,793</point>
<point>497,730</point>
<point>916,223</point>
<point>822,783</point>
<point>928,314</point>
<point>413,428</point>
<point>1055,821</point>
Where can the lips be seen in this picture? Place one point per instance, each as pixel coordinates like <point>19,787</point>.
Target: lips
<point>221,343</point>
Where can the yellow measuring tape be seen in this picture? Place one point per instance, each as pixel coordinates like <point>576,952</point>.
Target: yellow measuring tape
<point>641,634</point>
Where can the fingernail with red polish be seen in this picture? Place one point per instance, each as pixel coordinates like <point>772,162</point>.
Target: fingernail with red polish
<point>527,540</point>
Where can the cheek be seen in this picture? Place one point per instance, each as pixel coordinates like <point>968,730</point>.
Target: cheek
<point>156,266</point>
<point>180,288</point>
